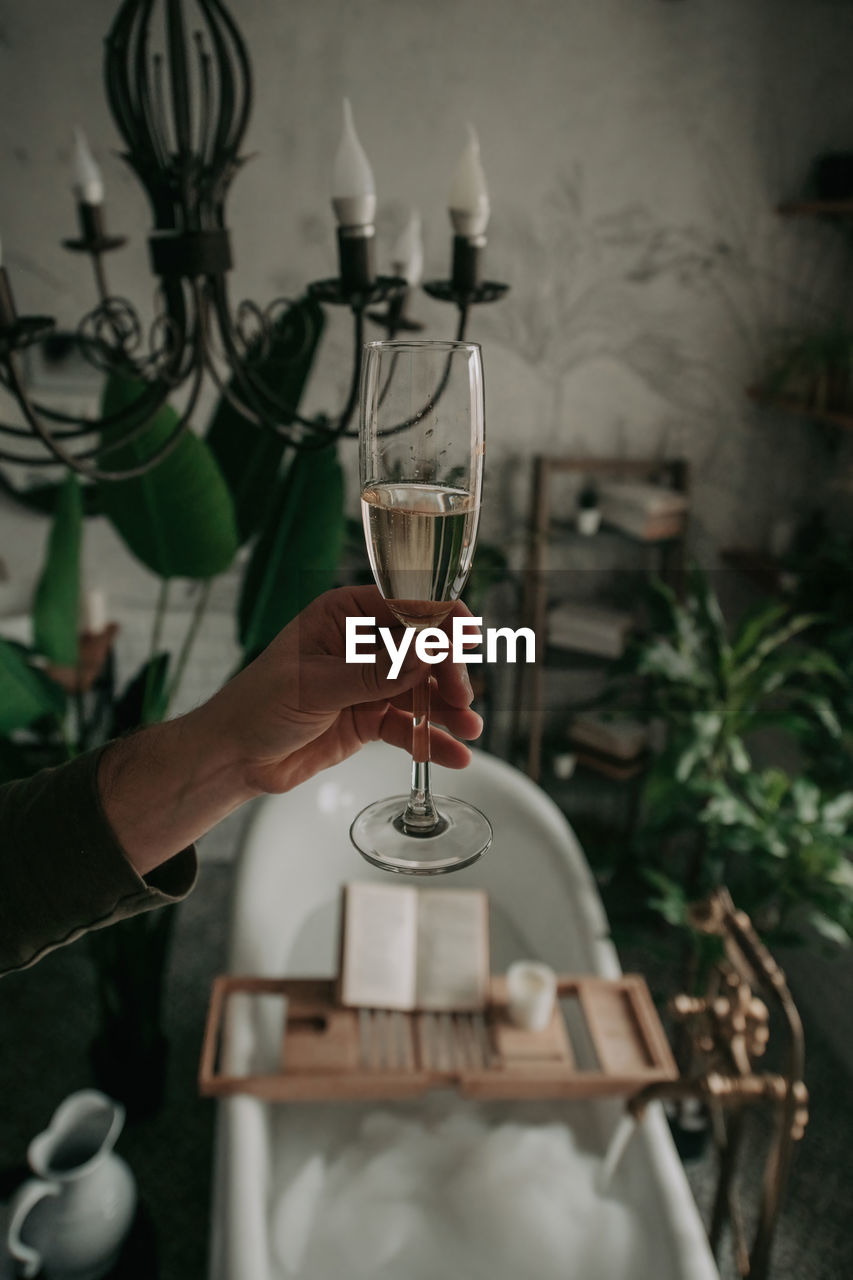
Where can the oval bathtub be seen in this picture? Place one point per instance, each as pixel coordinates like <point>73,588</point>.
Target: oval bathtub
<point>544,905</point>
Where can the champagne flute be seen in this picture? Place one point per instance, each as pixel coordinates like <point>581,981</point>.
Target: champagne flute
<point>421,463</point>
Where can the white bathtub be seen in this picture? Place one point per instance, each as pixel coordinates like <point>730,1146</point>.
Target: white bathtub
<point>544,904</point>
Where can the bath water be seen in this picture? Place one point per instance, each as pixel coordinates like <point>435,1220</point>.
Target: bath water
<point>446,1191</point>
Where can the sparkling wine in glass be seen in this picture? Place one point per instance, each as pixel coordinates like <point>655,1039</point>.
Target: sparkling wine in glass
<point>421,463</point>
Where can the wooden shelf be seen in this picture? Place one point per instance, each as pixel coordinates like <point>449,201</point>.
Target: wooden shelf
<point>816,208</point>
<point>787,405</point>
<point>547,529</point>
<point>329,1052</point>
<point>568,533</point>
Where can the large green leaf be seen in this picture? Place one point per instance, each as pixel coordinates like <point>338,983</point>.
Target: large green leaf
<point>250,458</point>
<point>178,518</point>
<point>25,693</point>
<point>297,553</point>
<point>144,699</point>
<point>57,598</point>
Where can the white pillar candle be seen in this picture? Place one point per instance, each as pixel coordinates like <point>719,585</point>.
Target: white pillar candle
<point>531,990</point>
<point>88,185</point>
<point>469,195</point>
<point>353,189</point>
<point>94,618</point>
<point>407,258</point>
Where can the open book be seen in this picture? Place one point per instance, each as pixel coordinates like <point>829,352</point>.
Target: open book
<point>407,948</point>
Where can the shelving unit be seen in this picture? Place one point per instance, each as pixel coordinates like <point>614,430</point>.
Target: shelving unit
<point>548,529</point>
<point>816,208</point>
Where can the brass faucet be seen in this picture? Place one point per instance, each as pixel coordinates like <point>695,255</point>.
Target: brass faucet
<point>728,1030</point>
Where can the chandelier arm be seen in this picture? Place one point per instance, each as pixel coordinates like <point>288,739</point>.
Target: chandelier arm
<point>149,147</point>
<point>144,407</point>
<point>77,462</point>
<point>355,380</point>
<point>15,460</point>
<point>227,93</point>
<point>212,10</point>
<point>149,89</point>
<point>305,444</point>
<point>433,399</point>
<point>178,76</point>
<point>152,145</point>
<point>100,276</point>
<point>265,405</point>
<point>205,144</point>
<point>135,419</point>
<point>159,133</point>
<point>117,49</point>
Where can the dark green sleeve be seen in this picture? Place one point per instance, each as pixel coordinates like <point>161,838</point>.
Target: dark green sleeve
<point>62,871</point>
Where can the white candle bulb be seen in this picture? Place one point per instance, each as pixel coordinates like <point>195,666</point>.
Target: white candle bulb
<point>407,258</point>
<point>469,195</point>
<point>88,183</point>
<point>353,192</point>
<point>94,618</point>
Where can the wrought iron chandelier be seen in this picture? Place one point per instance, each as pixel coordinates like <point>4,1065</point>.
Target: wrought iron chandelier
<point>182,110</point>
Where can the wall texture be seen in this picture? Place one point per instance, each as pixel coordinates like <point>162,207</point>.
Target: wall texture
<point>635,150</point>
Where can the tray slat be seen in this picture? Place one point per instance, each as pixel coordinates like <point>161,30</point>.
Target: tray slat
<point>330,1052</point>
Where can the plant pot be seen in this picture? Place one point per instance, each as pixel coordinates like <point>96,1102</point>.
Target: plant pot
<point>588,520</point>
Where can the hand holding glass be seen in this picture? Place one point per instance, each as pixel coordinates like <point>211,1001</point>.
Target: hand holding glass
<point>421,463</point>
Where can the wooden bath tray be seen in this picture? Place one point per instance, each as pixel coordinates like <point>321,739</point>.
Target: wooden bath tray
<point>604,1038</point>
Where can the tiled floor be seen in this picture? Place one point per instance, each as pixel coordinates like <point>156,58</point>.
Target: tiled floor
<point>47,1016</point>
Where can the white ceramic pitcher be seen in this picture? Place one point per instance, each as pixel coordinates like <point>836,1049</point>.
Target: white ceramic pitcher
<point>71,1219</point>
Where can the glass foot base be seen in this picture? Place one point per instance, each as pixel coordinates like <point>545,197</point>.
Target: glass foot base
<point>462,836</point>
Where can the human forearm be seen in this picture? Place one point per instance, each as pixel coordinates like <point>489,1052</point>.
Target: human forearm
<point>62,869</point>
<point>167,785</point>
<point>296,709</point>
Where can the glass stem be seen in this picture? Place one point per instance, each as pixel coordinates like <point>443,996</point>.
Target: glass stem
<point>420,815</point>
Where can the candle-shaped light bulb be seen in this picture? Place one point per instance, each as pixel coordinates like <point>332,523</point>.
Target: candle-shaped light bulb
<point>88,184</point>
<point>353,191</point>
<point>407,258</point>
<point>469,195</point>
<point>94,612</point>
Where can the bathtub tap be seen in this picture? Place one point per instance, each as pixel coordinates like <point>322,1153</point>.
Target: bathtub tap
<point>727,1030</point>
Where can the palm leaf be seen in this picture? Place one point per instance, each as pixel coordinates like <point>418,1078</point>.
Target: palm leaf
<point>178,518</point>
<point>249,458</point>
<point>296,556</point>
<point>25,693</point>
<point>768,643</point>
<point>57,598</point>
<point>144,699</point>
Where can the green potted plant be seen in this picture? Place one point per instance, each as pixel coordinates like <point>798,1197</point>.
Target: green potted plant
<point>782,847</point>
<point>812,370</point>
<point>713,692</point>
<point>588,517</point>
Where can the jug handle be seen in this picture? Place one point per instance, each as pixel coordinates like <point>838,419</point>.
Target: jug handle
<point>24,1201</point>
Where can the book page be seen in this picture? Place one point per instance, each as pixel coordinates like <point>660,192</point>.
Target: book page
<point>453,949</point>
<point>379,946</point>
